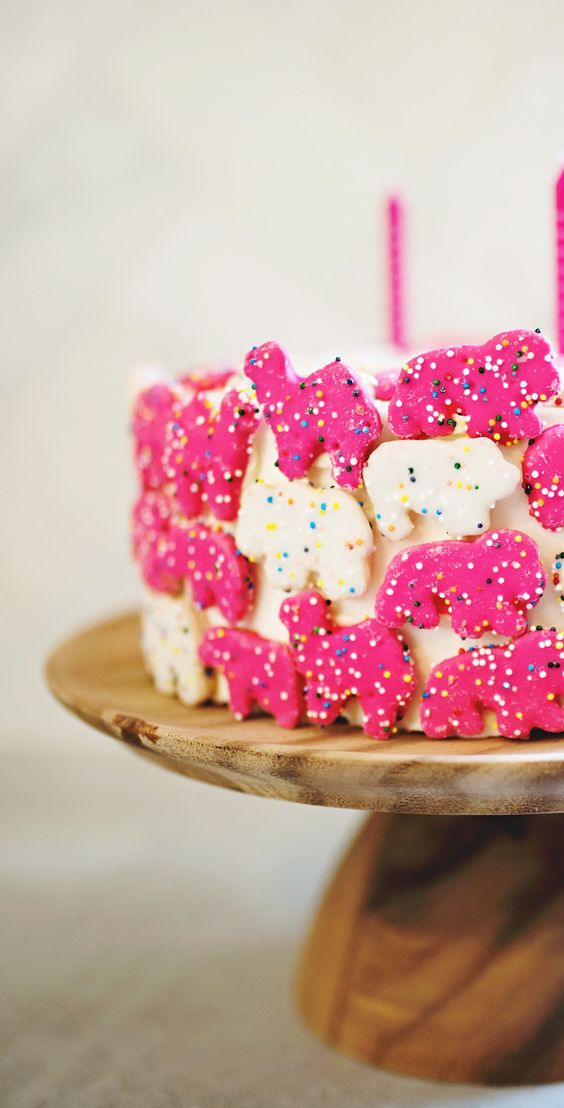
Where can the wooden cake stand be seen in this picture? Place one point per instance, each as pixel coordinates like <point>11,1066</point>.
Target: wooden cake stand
<point>438,949</point>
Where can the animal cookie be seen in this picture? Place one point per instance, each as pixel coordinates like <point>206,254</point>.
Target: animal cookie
<point>330,411</point>
<point>543,477</point>
<point>170,636</point>
<point>154,543</point>
<point>485,585</point>
<point>385,382</point>
<point>206,452</point>
<point>170,552</point>
<point>204,380</point>
<point>455,483</point>
<point>218,573</point>
<point>495,387</point>
<point>307,534</point>
<point>154,408</point>
<point>365,660</point>
<point>257,671</point>
<point>522,683</point>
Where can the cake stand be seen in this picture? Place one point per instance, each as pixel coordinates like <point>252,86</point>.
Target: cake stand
<point>438,949</point>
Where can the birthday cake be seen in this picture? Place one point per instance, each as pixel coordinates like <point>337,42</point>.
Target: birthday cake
<point>384,547</point>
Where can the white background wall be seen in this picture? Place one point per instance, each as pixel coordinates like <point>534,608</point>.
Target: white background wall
<point>181,179</point>
<point>177,181</point>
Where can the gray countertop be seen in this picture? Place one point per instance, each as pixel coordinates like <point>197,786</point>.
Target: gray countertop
<point>150,928</point>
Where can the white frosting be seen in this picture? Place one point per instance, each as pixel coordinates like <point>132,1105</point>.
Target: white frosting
<point>171,631</point>
<point>456,481</point>
<point>306,536</point>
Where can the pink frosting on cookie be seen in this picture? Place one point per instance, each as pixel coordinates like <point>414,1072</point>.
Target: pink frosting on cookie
<point>543,477</point>
<point>496,386</point>
<point>522,683</point>
<point>170,551</point>
<point>331,410</point>
<point>153,410</point>
<point>486,585</point>
<point>365,660</point>
<point>203,380</point>
<point>206,454</point>
<point>216,570</point>
<point>154,544</point>
<point>385,383</point>
<point>257,671</point>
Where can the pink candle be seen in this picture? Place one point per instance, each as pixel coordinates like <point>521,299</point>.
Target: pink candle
<point>560,261</point>
<point>396,271</point>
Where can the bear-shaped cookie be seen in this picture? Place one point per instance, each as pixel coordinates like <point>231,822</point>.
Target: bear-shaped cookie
<point>456,483</point>
<point>306,535</point>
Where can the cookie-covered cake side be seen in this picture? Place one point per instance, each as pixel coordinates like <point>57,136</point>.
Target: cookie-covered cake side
<point>387,548</point>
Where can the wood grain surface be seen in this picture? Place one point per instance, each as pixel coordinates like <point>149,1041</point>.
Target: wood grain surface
<point>99,675</point>
<point>438,949</point>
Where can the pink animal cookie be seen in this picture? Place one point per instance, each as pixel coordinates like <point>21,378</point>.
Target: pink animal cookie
<point>522,683</point>
<point>385,383</point>
<point>202,380</point>
<point>543,477</point>
<point>217,571</point>
<point>331,410</point>
<point>496,386</point>
<point>170,551</point>
<point>257,671</point>
<point>365,660</point>
<point>154,543</point>
<point>485,585</point>
<point>154,409</point>
<point>206,454</point>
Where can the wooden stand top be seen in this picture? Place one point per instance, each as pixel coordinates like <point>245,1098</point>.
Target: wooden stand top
<point>99,675</point>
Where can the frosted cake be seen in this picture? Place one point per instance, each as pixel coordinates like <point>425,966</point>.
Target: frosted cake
<point>384,547</point>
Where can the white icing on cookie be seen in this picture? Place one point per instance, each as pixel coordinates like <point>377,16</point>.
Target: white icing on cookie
<point>306,536</point>
<point>171,631</point>
<point>455,482</point>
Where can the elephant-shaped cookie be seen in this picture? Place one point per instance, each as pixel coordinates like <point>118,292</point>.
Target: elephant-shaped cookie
<point>486,585</point>
<point>494,387</point>
<point>521,682</point>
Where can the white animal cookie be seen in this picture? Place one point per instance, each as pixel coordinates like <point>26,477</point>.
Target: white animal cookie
<point>455,482</point>
<point>306,535</point>
<point>170,635</point>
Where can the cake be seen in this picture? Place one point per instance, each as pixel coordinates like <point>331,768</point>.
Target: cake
<point>379,544</point>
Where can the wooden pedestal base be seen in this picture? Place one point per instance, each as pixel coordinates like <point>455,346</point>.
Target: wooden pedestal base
<point>438,950</point>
